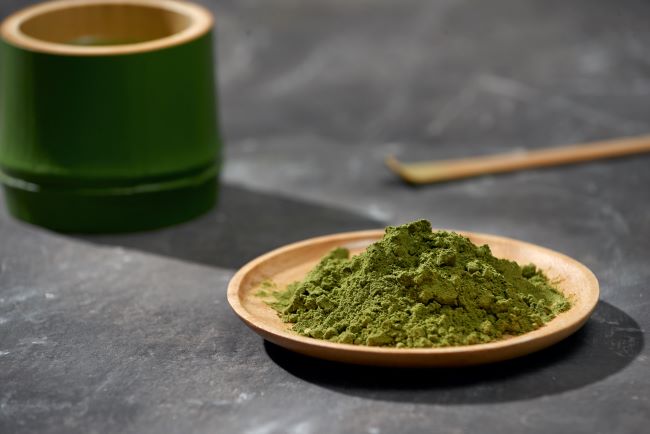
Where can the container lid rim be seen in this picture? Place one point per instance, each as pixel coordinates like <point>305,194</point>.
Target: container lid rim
<point>201,22</point>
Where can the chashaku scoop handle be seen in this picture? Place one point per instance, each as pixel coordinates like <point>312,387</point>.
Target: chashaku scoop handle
<point>444,170</point>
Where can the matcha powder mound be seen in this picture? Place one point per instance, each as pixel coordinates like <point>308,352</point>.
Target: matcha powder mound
<point>418,288</point>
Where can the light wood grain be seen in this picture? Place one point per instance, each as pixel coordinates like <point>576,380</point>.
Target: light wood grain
<point>135,26</point>
<point>291,263</point>
<point>444,170</point>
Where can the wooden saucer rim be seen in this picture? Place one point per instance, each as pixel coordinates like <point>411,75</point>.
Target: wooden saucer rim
<point>559,328</point>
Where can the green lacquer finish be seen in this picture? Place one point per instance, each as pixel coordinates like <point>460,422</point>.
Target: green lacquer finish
<point>109,143</point>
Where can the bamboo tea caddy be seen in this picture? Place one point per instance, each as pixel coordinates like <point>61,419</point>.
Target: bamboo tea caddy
<point>108,114</point>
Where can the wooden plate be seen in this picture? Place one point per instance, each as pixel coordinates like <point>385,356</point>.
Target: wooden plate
<point>292,262</point>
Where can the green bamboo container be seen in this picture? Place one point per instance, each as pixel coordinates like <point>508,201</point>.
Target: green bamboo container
<point>108,116</point>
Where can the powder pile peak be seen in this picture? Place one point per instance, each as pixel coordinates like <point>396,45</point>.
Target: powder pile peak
<point>419,288</point>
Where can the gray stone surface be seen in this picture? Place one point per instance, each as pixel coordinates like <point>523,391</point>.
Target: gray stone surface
<point>132,333</point>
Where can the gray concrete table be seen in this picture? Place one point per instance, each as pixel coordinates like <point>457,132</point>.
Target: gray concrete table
<point>132,333</point>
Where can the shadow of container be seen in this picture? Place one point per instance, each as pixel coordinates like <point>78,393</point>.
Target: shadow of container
<point>108,115</point>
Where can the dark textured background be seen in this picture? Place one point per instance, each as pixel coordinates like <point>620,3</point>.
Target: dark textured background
<point>132,333</point>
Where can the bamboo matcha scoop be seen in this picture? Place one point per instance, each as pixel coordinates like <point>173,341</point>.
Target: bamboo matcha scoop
<point>444,170</point>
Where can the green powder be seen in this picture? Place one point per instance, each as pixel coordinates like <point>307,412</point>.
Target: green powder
<point>418,288</point>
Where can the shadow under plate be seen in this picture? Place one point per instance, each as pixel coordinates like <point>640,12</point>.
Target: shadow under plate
<point>606,344</point>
